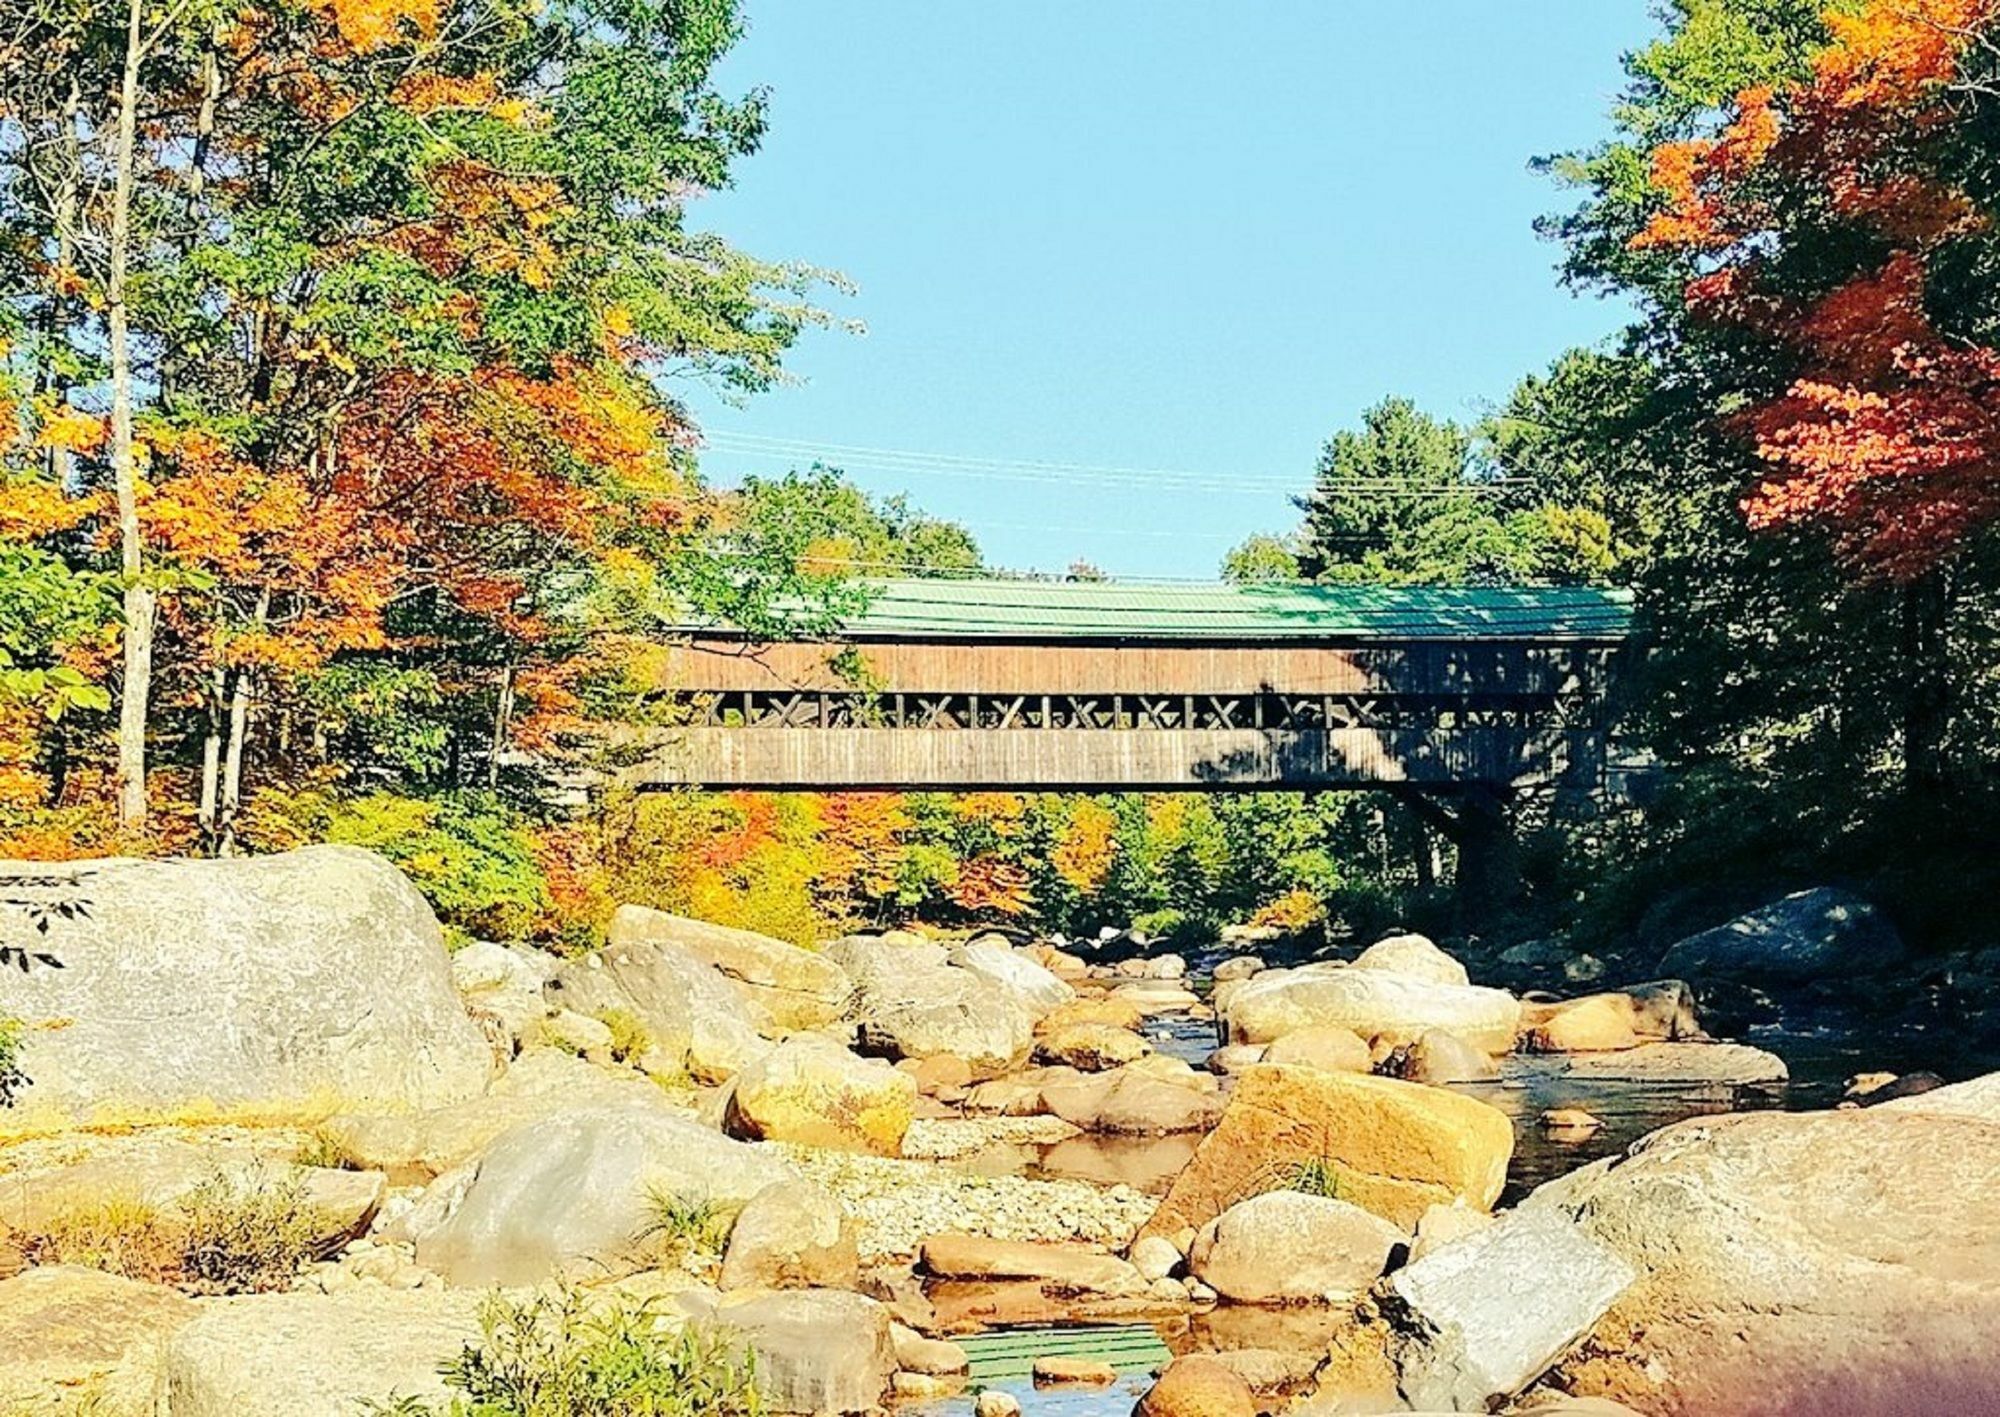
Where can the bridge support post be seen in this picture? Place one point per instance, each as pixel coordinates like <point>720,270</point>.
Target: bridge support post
<point>1479,824</point>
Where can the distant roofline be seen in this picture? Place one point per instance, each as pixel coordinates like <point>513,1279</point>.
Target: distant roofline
<point>1120,612</point>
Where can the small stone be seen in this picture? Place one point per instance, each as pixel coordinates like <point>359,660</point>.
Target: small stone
<point>573,1032</point>
<point>1238,967</point>
<point>1200,1293</point>
<point>935,1357</point>
<point>995,1403</point>
<point>1154,1256</point>
<point>1198,1386</point>
<point>1167,1291</point>
<point>925,1387</point>
<point>1570,1123</point>
<point>1073,1372</point>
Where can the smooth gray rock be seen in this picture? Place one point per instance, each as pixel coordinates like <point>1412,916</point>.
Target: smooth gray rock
<point>315,1355</point>
<point>1809,935</point>
<point>1371,1002</point>
<point>1479,1319</point>
<point>1678,1064</point>
<point>798,988</point>
<point>570,1194</point>
<point>921,1012</point>
<point>1033,987</point>
<point>272,981</point>
<point>1283,1247</point>
<point>1840,1263</point>
<point>1414,956</point>
<point>817,1350</point>
<point>419,1145</point>
<point>696,1014</point>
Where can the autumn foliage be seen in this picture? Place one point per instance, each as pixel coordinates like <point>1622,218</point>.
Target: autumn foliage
<point>1833,217</point>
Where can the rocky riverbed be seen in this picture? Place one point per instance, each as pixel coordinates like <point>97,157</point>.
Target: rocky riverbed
<point>281,1152</point>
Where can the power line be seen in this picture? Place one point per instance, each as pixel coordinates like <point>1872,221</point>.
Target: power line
<point>892,460</point>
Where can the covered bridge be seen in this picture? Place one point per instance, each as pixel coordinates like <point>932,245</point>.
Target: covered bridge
<point>1024,684</point>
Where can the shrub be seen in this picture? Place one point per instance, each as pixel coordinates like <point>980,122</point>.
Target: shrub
<point>1314,1176</point>
<point>229,1235</point>
<point>12,1078</point>
<point>561,1355</point>
<point>119,1234</point>
<point>630,1038</point>
<point>682,1228</point>
<point>1292,912</point>
<point>245,1236</point>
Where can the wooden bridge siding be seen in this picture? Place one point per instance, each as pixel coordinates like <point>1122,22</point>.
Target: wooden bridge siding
<point>1159,759</point>
<point>1423,667</point>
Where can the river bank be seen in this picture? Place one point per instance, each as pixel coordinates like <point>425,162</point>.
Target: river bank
<point>281,1152</point>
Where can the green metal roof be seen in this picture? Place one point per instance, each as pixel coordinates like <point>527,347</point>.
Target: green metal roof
<point>1037,610</point>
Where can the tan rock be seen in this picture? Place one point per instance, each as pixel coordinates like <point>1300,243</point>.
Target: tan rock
<point>812,1091</point>
<point>936,1356</point>
<point>938,1074</point>
<point>791,1235</point>
<point>1328,1046</point>
<point>1235,1057</point>
<point>1197,1386</point>
<point>995,1403</point>
<point>1601,1023</point>
<point>1393,1148</point>
<point>1131,1101</point>
<point>67,1332</point>
<point>1283,1247</point>
<point>1056,1371</point>
<point>1092,1047</point>
<point>1061,1268</point>
<point>798,988</point>
<point>1570,1122</point>
<point>1237,967</point>
<point>925,1387</point>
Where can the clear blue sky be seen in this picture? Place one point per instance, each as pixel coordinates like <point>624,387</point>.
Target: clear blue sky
<point>1154,234</point>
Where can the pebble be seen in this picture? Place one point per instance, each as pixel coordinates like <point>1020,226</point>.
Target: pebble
<point>995,1403</point>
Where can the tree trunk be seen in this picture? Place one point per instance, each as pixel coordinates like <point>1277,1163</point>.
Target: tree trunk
<point>138,606</point>
<point>1927,704</point>
<point>211,759</point>
<point>503,712</point>
<point>241,700</point>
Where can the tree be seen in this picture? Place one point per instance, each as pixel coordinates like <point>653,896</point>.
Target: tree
<point>1262,557</point>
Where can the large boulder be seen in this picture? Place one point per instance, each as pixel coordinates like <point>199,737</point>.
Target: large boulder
<point>1394,1148</point>
<point>269,982</point>
<point>1477,1320</point>
<point>1371,1002</point>
<point>695,1013</point>
<point>867,958</point>
<point>920,1012</point>
<point>416,1146</point>
<point>1677,1064</point>
<point>1415,956</point>
<point>1069,1269</point>
<point>812,1091</point>
<point>819,1351</point>
<point>792,1235</point>
<point>505,983</point>
<point>1601,1023</point>
<point>66,1331</point>
<point>167,1174</point>
<point>1134,1100</point>
<point>1836,1263</point>
<point>1809,935</point>
<point>797,988</point>
<point>1329,1047</point>
<point>1285,1247</point>
<point>575,1193</point>
<point>1036,989</point>
<point>315,1355</point>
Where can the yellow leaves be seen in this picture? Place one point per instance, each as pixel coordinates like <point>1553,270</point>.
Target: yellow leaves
<point>71,429</point>
<point>430,92</point>
<point>367,25</point>
<point>32,510</point>
<point>1083,855</point>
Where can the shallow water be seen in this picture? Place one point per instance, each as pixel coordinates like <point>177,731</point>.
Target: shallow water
<point>1820,1060</point>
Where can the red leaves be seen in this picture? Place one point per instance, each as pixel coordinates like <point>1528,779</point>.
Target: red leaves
<point>1889,438</point>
